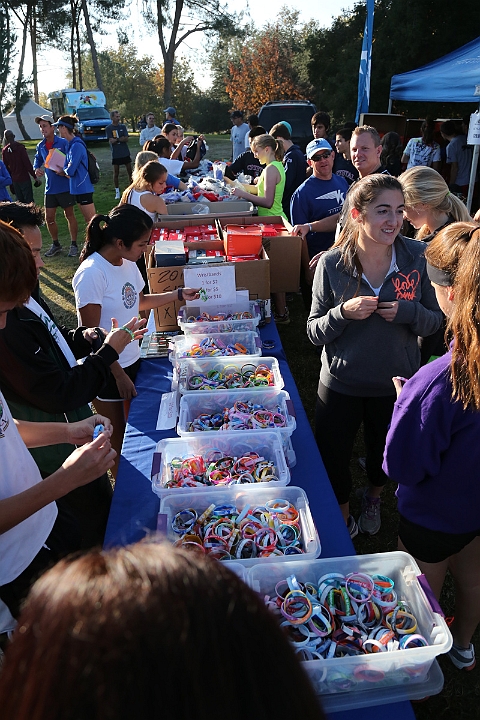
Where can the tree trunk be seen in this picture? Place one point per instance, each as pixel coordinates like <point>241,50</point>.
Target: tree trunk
<point>33,40</point>
<point>7,65</point>
<point>79,47</point>
<point>73,10</point>
<point>18,89</point>
<point>169,60</point>
<point>91,42</point>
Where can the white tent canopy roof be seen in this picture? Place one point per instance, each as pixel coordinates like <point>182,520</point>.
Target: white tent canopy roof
<point>28,113</point>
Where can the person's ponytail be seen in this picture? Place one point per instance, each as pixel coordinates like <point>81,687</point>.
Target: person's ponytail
<point>96,236</point>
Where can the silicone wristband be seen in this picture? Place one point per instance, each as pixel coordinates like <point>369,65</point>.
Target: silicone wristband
<point>180,293</point>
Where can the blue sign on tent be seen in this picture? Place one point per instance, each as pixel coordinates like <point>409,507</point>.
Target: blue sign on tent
<point>452,78</point>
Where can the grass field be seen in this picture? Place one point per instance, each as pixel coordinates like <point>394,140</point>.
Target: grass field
<point>460,697</point>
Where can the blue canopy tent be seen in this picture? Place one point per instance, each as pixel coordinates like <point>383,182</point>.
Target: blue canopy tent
<point>451,78</point>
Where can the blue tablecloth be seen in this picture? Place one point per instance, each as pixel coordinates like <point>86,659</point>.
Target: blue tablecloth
<point>135,507</point>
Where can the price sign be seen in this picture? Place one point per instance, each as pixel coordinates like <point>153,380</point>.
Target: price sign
<point>217,284</point>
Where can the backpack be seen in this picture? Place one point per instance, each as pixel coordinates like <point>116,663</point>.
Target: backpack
<point>93,167</point>
<point>192,149</point>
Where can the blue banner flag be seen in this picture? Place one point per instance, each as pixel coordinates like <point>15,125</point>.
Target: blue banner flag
<point>365,63</point>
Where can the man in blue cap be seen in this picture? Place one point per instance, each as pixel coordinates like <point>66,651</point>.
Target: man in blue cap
<point>320,197</point>
<point>170,115</point>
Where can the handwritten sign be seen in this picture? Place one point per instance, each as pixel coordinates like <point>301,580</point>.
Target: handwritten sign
<point>217,284</point>
<point>167,414</point>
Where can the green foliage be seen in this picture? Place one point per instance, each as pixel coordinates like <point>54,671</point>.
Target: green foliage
<point>406,34</point>
<point>210,114</point>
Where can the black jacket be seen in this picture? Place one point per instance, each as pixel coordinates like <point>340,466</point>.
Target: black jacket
<point>39,384</point>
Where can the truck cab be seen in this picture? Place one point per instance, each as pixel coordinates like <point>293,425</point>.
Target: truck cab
<point>88,105</point>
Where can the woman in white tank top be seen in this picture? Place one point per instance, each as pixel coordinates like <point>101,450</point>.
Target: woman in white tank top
<point>147,186</point>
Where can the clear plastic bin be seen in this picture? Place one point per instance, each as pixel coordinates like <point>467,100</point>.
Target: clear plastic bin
<point>193,366</point>
<point>194,404</point>
<point>182,344</point>
<point>200,500</point>
<point>267,445</point>
<point>218,326</point>
<point>353,674</point>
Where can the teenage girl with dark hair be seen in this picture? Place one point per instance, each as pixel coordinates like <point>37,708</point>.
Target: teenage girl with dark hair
<point>108,284</point>
<point>432,448</point>
<point>174,164</point>
<point>150,631</point>
<point>423,150</point>
<point>76,166</point>
<point>391,153</point>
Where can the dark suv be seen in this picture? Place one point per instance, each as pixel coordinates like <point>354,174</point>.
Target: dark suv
<point>298,113</point>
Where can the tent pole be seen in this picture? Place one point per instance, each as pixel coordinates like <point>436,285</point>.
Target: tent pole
<point>389,106</point>
<point>473,175</point>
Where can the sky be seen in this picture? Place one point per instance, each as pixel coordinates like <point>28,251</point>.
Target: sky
<point>52,63</point>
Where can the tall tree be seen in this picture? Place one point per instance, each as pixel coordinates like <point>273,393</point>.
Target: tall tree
<point>176,20</point>
<point>93,49</point>
<point>7,42</point>
<point>269,66</point>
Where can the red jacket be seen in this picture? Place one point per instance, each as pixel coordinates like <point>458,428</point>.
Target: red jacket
<point>15,157</point>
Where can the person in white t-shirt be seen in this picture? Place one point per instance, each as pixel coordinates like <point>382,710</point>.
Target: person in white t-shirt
<point>109,284</point>
<point>237,133</point>
<point>33,535</point>
<point>149,132</point>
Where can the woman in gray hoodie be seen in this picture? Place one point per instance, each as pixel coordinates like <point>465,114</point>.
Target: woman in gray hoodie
<point>371,300</point>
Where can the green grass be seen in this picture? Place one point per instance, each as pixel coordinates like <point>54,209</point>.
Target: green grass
<point>459,699</point>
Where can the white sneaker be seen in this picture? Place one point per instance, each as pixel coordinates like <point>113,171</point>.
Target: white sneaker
<point>117,193</point>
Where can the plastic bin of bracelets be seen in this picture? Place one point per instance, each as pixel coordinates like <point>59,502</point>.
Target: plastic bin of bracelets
<point>228,373</point>
<point>195,320</point>
<point>241,344</point>
<point>215,461</point>
<point>255,411</point>
<point>246,524</point>
<point>360,623</point>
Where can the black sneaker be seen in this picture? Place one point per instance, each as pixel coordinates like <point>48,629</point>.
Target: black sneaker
<point>282,319</point>
<point>53,250</point>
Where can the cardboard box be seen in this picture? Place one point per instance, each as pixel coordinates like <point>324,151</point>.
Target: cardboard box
<point>231,208</point>
<point>254,275</point>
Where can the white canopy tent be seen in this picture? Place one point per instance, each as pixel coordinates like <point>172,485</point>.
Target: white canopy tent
<point>28,114</point>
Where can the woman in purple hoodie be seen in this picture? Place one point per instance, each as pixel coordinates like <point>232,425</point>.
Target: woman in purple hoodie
<point>433,449</point>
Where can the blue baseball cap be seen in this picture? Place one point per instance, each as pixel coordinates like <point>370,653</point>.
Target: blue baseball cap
<point>318,144</point>
<point>170,111</point>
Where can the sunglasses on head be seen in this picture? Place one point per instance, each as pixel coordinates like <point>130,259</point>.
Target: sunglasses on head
<point>323,156</point>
